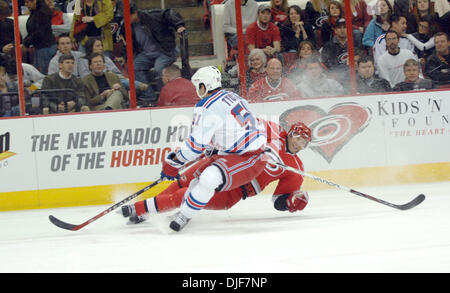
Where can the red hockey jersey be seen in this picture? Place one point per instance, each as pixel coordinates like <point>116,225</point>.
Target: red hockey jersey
<point>261,90</point>
<point>288,181</point>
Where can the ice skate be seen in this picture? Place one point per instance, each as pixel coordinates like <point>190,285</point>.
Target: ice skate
<point>129,211</point>
<point>178,221</point>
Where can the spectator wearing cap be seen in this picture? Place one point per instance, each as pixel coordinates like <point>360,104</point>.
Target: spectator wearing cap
<point>263,34</point>
<point>335,53</point>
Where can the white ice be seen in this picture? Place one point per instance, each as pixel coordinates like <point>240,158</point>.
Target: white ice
<point>337,232</point>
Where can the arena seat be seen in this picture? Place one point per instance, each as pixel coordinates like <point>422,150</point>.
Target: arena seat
<point>23,23</point>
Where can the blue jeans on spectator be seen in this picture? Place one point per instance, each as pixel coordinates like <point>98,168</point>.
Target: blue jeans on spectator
<point>357,38</point>
<point>147,95</point>
<point>143,64</point>
<point>42,58</point>
<point>164,60</point>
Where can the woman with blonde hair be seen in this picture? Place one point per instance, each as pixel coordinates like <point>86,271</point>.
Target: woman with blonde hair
<point>279,11</point>
<point>316,12</point>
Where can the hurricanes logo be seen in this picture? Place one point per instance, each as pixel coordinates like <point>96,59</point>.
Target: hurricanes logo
<point>320,20</point>
<point>4,146</point>
<point>331,130</point>
<point>342,58</point>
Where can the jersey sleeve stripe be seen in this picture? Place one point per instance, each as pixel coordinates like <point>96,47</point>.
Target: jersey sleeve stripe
<point>195,145</point>
<point>245,141</point>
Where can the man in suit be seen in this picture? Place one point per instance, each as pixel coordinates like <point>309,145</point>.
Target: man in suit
<point>103,90</point>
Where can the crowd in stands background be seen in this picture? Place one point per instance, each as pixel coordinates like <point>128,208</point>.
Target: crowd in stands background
<point>291,53</point>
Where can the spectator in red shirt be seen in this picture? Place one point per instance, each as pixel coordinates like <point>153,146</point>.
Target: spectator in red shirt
<point>176,90</point>
<point>263,34</point>
<point>273,86</point>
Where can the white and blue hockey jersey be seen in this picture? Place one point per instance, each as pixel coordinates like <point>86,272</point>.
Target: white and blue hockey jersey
<point>223,121</point>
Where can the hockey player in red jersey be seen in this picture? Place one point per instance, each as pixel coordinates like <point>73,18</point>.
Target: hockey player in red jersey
<point>282,146</point>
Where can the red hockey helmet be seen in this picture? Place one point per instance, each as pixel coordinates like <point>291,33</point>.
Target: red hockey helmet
<point>300,129</point>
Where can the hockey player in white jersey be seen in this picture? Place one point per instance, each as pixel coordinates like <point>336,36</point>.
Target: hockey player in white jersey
<point>222,121</point>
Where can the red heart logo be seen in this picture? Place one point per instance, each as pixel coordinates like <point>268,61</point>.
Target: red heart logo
<point>332,130</point>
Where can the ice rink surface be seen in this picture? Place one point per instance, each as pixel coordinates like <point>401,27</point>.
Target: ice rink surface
<point>338,232</point>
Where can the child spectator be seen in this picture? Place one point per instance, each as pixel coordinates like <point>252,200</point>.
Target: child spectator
<point>411,68</point>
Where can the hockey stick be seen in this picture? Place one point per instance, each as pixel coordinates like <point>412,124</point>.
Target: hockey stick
<point>67,226</point>
<point>416,201</point>
<point>72,227</point>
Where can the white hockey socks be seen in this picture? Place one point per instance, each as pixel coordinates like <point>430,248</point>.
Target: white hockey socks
<point>201,192</point>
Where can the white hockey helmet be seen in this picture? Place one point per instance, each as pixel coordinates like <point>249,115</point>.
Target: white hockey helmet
<point>209,76</point>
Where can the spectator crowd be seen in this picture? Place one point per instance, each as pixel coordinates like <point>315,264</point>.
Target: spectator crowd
<point>79,63</point>
<point>311,47</point>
